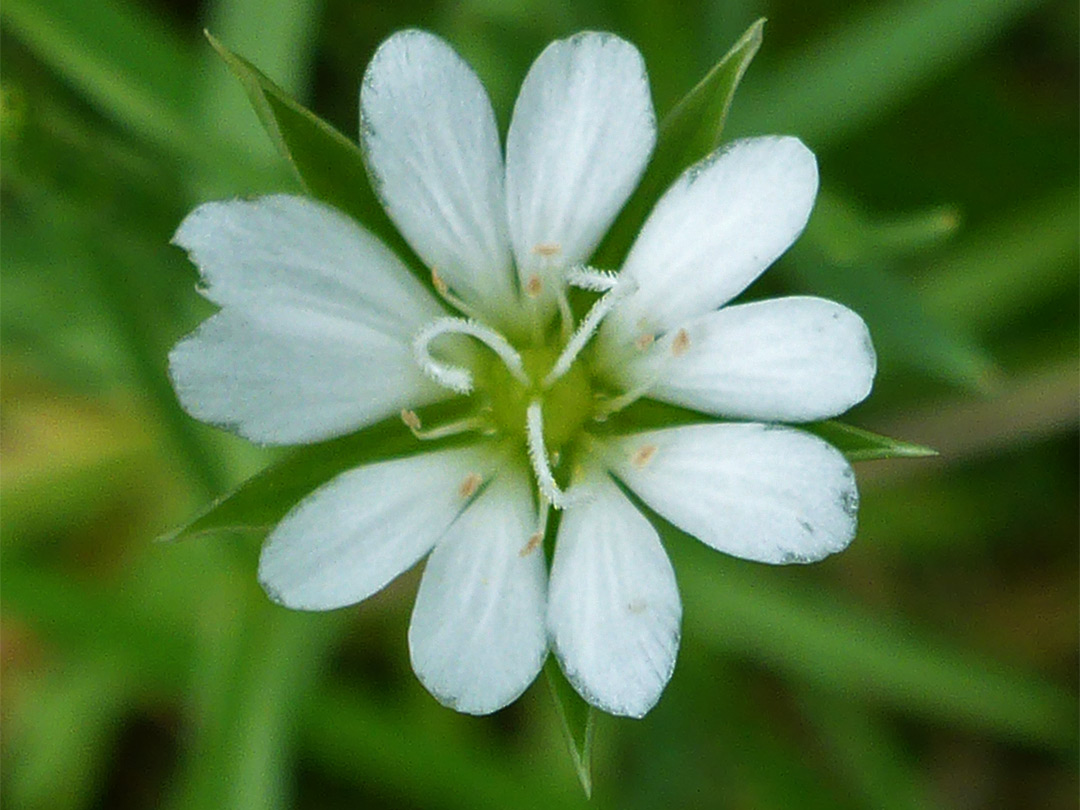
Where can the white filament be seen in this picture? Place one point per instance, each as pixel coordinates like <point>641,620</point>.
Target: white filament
<point>454,377</point>
<point>586,329</point>
<point>587,278</point>
<point>545,478</point>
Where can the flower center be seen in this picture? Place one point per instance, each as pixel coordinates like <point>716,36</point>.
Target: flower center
<point>539,394</point>
<point>567,402</point>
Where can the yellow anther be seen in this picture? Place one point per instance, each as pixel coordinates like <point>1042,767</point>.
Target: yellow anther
<point>547,249</point>
<point>469,486</point>
<point>411,420</point>
<point>643,455</point>
<point>534,543</point>
<point>533,286</point>
<point>440,286</point>
<point>645,341</point>
<point>680,344</point>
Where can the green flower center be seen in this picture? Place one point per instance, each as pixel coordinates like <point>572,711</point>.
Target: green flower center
<point>567,403</point>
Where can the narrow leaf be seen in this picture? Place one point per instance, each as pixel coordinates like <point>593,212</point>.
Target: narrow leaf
<point>872,61</point>
<point>577,719</point>
<point>815,637</point>
<point>125,61</point>
<point>688,133</point>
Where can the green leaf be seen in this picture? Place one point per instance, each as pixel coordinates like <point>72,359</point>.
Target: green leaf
<point>1009,267</point>
<point>846,233</point>
<point>811,636</point>
<point>862,445</point>
<point>329,165</point>
<point>865,753</point>
<point>577,719</point>
<point>687,134</point>
<point>63,731</point>
<point>123,58</point>
<point>904,333</point>
<point>264,499</point>
<point>874,60</point>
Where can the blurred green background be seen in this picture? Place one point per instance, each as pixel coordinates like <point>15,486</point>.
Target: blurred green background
<point>933,664</point>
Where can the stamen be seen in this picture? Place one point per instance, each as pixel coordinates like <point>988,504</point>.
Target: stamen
<point>441,287</point>
<point>588,278</point>
<point>643,455</point>
<point>536,539</point>
<point>457,378</point>
<point>644,341</point>
<point>545,478</point>
<point>457,427</point>
<point>534,286</point>
<point>547,249</point>
<point>680,344</point>
<point>471,483</point>
<point>676,346</point>
<point>586,329</point>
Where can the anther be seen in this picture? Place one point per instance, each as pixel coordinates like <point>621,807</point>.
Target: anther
<point>680,344</point>
<point>535,539</point>
<point>534,286</point>
<point>643,455</point>
<point>455,428</point>
<point>444,291</point>
<point>645,341</point>
<point>411,420</point>
<point>437,281</point>
<point>547,249</point>
<point>469,486</point>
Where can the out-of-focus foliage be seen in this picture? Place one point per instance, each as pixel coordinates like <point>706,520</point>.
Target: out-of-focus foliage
<point>933,664</point>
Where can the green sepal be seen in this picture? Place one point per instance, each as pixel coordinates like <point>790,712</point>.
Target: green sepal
<point>855,443</point>
<point>687,134</point>
<point>263,500</point>
<point>329,165</point>
<point>577,719</point>
<point>861,445</point>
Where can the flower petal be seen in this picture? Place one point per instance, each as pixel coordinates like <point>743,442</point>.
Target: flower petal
<point>613,606</point>
<point>291,250</point>
<point>795,359</point>
<point>353,535</point>
<point>760,492</point>
<point>292,373</point>
<point>477,637</point>
<point>715,230</point>
<point>432,147</point>
<point>581,134</point>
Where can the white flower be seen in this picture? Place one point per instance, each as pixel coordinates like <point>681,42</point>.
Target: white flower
<point>322,330</point>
